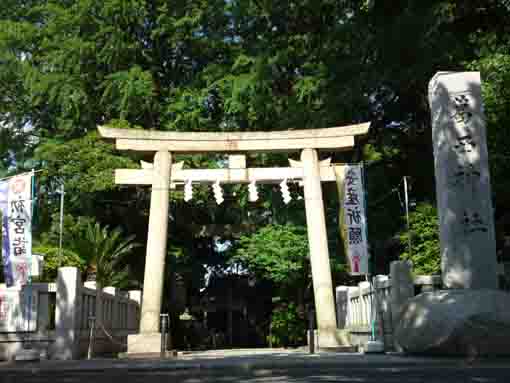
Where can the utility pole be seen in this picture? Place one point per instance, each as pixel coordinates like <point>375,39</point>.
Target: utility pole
<point>62,192</point>
<point>406,197</point>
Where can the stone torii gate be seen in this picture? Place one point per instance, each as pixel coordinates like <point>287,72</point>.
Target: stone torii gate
<point>162,175</point>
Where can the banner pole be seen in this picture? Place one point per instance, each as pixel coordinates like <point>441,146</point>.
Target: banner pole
<point>29,264</point>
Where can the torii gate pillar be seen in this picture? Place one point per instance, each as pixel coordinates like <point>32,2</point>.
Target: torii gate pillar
<point>156,244</point>
<point>319,254</point>
<point>149,338</point>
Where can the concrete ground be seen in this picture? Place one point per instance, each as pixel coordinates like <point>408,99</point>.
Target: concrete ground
<point>253,366</point>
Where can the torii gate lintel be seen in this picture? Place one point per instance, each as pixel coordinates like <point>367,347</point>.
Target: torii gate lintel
<point>232,174</point>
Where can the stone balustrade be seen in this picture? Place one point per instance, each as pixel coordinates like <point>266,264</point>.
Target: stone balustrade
<point>58,322</point>
<point>373,307</point>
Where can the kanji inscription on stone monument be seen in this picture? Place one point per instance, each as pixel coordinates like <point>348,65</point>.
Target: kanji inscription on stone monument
<point>468,247</point>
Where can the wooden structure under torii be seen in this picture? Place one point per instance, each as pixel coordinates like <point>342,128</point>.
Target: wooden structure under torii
<point>162,174</point>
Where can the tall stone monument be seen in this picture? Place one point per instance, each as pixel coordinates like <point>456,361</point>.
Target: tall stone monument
<point>468,246</point>
<point>469,317</point>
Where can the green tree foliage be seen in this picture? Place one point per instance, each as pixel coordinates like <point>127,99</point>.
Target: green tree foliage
<point>72,228</point>
<point>277,253</point>
<point>86,167</point>
<point>424,236</point>
<point>86,164</point>
<point>494,63</point>
<point>238,65</point>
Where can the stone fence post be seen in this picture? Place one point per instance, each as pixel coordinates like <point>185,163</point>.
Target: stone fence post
<point>134,313</point>
<point>402,289</point>
<point>67,313</point>
<point>342,306</point>
<point>366,302</point>
<point>380,282</point>
<point>111,317</point>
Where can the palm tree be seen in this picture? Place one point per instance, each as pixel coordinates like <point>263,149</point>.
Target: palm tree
<point>104,251</point>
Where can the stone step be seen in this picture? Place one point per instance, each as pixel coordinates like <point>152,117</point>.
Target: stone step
<point>148,355</point>
<point>27,355</point>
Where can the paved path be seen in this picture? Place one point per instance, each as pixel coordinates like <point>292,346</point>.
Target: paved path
<point>253,366</point>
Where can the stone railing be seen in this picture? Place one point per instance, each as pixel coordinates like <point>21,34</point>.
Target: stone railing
<point>15,315</point>
<point>367,309</point>
<point>120,316</point>
<point>120,309</point>
<point>58,322</point>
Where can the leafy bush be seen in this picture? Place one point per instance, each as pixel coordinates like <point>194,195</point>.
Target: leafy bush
<point>288,327</point>
<point>53,260</point>
<point>424,233</point>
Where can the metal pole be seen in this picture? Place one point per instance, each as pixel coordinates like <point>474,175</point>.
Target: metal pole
<point>373,307</point>
<point>62,192</point>
<point>92,324</point>
<point>230,317</point>
<point>371,257</point>
<point>271,331</point>
<point>164,325</point>
<point>311,331</point>
<point>406,197</point>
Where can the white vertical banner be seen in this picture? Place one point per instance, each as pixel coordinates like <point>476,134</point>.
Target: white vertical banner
<point>19,210</point>
<point>355,220</point>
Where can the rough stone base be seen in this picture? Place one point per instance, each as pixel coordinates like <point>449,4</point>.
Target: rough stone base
<point>374,347</point>
<point>145,343</point>
<point>13,344</point>
<point>456,322</point>
<point>339,340</point>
